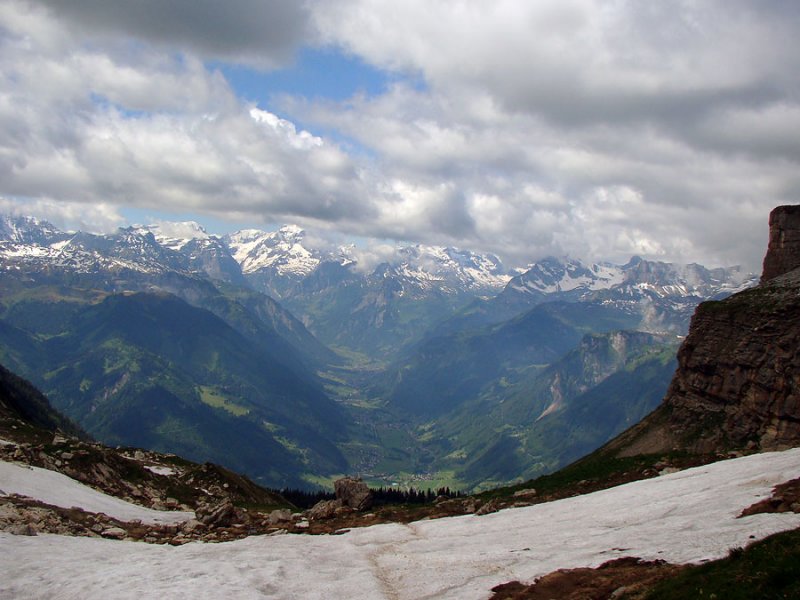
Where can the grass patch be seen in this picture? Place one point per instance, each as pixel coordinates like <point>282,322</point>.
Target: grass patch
<point>597,471</point>
<point>322,481</point>
<point>766,569</point>
<point>213,398</point>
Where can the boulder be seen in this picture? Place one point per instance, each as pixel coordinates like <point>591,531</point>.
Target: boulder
<point>490,507</point>
<point>526,493</point>
<point>324,509</point>
<point>280,516</point>
<point>114,533</point>
<point>353,492</point>
<point>223,514</point>
<point>191,526</point>
<point>22,529</point>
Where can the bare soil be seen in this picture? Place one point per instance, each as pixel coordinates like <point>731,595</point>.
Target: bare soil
<point>629,578</point>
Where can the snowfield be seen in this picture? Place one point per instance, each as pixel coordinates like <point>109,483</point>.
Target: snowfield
<point>59,490</point>
<point>683,517</point>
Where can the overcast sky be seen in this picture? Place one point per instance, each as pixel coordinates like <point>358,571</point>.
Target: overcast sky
<point>579,127</point>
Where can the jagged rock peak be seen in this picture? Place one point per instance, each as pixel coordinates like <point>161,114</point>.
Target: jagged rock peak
<point>783,252</point>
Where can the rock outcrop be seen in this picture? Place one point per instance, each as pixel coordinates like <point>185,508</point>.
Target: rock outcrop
<point>353,493</point>
<point>324,509</point>
<point>783,252</point>
<point>737,385</point>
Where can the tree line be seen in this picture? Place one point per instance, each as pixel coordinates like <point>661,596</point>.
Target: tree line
<point>381,496</point>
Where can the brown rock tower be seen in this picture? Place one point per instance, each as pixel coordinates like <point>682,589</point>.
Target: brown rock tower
<point>783,252</point>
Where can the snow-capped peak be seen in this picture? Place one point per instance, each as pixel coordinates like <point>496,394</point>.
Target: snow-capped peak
<point>461,268</point>
<point>552,275</point>
<point>285,252</point>
<point>281,250</point>
<point>638,276</point>
<point>292,231</point>
<point>28,230</point>
<point>174,235</point>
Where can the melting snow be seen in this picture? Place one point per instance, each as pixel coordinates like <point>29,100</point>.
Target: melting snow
<point>59,490</point>
<point>683,517</point>
<point>160,469</point>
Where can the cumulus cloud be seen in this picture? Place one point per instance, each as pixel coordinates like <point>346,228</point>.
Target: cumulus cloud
<point>593,128</point>
<point>97,218</point>
<point>151,130</point>
<point>664,130</point>
<point>369,255</point>
<point>263,33</point>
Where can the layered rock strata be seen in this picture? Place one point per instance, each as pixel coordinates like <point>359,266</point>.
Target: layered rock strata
<point>783,252</point>
<point>737,384</point>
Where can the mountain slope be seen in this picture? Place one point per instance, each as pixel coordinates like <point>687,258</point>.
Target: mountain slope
<point>153,371</point>
<point>545,419</point>
<point>198,268</point>
<point>376,311</point>
<point>443,372</point>
<point>22,403</point>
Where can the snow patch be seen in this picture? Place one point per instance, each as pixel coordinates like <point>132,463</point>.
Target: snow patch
<point>59,490</point>
<point>174,234</point>
<point>684,517</point>
<point>160,469</point>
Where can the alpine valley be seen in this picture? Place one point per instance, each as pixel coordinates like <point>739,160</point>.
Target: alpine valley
<point>296,364</point>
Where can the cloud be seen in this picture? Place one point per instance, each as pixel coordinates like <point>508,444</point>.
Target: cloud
<point>152,130</point>
<point>578,61</point>
<point>97,218</point>
<point>262,33</point>
<point>653,129</point>
<point>598,129</point>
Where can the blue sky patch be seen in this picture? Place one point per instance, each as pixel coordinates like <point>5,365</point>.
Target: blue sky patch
<point>317,74</point>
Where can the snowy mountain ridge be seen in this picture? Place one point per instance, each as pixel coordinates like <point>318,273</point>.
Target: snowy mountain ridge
<point>30,244</point>
<point>285,255</point>
<point>27,230</point>
<point>282,251</point>
<point>175,235</point>
<point>553,275</point>
<point>463,268</point>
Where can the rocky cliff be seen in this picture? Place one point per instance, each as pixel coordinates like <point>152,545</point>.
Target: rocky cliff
<point>783,252</point>
<point>738,375</point>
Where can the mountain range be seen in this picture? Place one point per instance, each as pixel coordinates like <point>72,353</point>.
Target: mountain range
<point>608,521</point>
<point>294,363</point>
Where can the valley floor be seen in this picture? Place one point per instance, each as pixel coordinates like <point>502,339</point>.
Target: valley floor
<point>684,517</point>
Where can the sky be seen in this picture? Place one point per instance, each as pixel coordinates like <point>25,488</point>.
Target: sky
<point>594,129</point>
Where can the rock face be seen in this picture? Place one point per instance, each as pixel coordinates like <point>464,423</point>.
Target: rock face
<point>737,385</point>
<point>783,253</point>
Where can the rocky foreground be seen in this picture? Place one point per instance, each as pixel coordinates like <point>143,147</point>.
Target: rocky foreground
<point>690,516</point>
